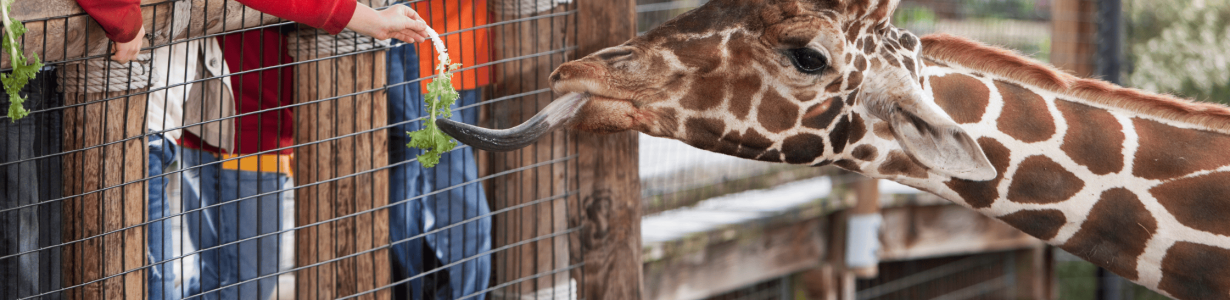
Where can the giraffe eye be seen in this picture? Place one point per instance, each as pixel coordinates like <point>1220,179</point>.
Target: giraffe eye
<point>808,60</point>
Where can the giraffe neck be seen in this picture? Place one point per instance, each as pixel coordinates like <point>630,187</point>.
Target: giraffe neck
<point>1141,195</point>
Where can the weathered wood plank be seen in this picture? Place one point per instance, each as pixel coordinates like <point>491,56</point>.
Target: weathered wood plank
<point>1073,38</point>
<point>337,161</point>
<point>108,194</point>
<point>914,232</point>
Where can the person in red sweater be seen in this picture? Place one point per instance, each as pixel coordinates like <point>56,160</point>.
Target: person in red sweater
<point>229,161</point>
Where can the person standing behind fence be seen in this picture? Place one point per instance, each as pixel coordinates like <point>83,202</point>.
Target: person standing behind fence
<point>462,198</point>
<point>213,181</point>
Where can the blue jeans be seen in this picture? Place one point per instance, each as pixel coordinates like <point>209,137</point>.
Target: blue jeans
<point>417,215</point>
<point>215,230</point>
<point>161,277</point>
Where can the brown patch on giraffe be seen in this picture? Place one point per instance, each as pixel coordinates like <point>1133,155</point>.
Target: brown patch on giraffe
<point>704,133</point>
<point>1198,202</point>
<point>875,63</point>
<point>1006,63</point>
<point>881,12</point>
<point>981,194</point>
<point>869,46</point>
<point>704,54</point>
<point>742,91</point>
<point>776,113</point>
<point>898,163</point>
<point>1166,151</point>
<point>1039,179</point>
<point>855,79</point>
<point>849,58</point>
<point>860,63</point>
<point>962,97</point>
<point>892,61</point>
<point>1024,115</point>
<point>834,86</point>
<point>751,143</point>
<point>1114,233</point>
<point>853,96</point>
<point>1094,138</point>
<point>1196,271</point>
<point>770,156</point>
<point>857,128</point>
<point>909,65</point>
<point>848,165</point>
<point>802,148</point>
<point>705,94</point>
<point>840,135</point>
<point>851,32</point>
<point>883,131</point>
<point>819,116</point>
<point>909,42</point>
<point>1042,224</point>
<point>806,95</point>
<point>864,152</point>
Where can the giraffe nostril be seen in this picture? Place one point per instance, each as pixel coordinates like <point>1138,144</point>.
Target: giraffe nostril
<point>614,54</point>
<point>556,76</point>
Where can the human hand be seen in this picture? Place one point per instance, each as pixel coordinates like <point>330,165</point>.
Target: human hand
<point>127,51</point>
<point>399,22</point>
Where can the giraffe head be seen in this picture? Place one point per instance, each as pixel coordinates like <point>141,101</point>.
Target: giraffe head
<point>796,81</point>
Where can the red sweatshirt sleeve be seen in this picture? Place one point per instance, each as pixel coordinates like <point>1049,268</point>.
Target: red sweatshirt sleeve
<point>330,15</point>
<point>121,19</point>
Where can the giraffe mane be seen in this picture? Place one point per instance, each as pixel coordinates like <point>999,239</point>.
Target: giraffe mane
<point>983,58</point>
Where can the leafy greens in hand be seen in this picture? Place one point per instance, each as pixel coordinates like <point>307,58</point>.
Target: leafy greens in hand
<point>23,69</point>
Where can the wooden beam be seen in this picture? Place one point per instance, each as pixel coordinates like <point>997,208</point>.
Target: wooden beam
<point>328,161</point>
<point>610,194</point>
<point>914,232</point>
<point>1073,38</point>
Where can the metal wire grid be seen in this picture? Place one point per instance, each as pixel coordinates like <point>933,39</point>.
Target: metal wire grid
<point>47,205</point>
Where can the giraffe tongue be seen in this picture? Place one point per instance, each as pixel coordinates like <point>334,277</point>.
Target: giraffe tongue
<point>557,114</point>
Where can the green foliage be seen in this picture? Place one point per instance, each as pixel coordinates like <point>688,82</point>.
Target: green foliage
<point>23,69</point>
<point>1180,48</point>
<point>440,96</point>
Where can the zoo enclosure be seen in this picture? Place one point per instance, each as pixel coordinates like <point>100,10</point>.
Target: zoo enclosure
<point>74,203</point>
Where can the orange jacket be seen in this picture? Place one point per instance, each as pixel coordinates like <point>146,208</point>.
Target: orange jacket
<point>466,45</point>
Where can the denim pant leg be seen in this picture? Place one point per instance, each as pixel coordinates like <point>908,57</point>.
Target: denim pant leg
<point>199,190</point>
<point>162,277</point>
<point>257,212</point>
<point>405,219</point>
<point>34,184</point>
<point>462,243</point>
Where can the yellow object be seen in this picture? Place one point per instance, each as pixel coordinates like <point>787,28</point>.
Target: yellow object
<point>275,163</point>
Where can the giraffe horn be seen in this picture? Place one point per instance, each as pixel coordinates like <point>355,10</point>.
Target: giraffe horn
<point>557,114</point>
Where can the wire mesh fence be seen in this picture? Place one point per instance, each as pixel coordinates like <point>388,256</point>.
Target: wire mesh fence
<point>247,156</point>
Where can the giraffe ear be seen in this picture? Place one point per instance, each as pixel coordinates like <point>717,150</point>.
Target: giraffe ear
<point>934,140</point>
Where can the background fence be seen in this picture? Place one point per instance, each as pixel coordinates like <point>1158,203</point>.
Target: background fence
<point>329,203</point>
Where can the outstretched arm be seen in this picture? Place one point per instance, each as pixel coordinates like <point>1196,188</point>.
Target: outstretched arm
<point>398,21</point>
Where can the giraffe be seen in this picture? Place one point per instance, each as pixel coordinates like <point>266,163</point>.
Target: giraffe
<point>1128,180</point>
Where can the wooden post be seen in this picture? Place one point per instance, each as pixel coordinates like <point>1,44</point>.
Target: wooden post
<point>321,164</point>
<point>1073,37</point>
<point>610,193</point>
<point>546,256</point>
<point>1035,275</point>
<point>105,184</point>
<point>867,202</point>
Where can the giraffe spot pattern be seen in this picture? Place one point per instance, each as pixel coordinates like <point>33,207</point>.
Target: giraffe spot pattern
<point>770,156</point>
<point>852,97</point>
<point>883,131</point>
<point>776,113</point>
<point>1024,115</point>
<point>860,63</point>
<point>704,133</point>
<point>703,53</point>
<point>848,165</point>
<point>864,152</point>
<point>1039,179</point>
<point>1196,271</point>
<point>908,42</point>
<point>962,97</point>
<point>1115,233</point>
<point>981,194</point>
<point>1166,151</point>
<point>898,163</point>
<point>909,64</point>
<point>857,128</point>
<point>802,148</point>
<point>751,143</point>
<point>1042,224</point>
<point>805,95</point>
<point>855,79</point>
<point>819,116</point>
<point>840,135</point>
<point>1198,202</point>
<point>1094,138</point>
<point>835,86</point>
<point>743,89</point>
<point>705,94</point>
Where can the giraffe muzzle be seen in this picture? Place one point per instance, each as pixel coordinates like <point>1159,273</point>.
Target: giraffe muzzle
<point>557,114</point>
